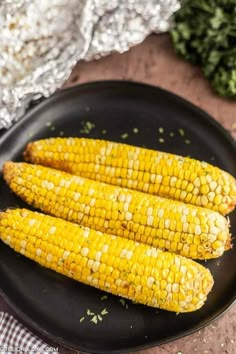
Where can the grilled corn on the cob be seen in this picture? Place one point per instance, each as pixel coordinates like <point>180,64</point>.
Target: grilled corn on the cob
<point>114,264</point>
<point>191,231</point>
<point>159,173</point>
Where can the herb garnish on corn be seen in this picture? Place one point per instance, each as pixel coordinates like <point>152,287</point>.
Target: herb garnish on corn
<point>159,173</point>
<point>123,267</point>
<point>191,231</point>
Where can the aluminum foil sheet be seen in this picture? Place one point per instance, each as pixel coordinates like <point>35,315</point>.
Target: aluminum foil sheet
<point>41,41</point>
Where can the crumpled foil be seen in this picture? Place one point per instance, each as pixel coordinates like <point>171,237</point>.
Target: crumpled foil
<point>41,41</point>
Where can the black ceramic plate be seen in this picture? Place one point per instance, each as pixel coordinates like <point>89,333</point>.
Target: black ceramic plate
<point>53,304</point>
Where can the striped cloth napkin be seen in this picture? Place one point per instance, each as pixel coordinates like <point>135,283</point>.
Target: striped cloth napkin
<point>15,338</point>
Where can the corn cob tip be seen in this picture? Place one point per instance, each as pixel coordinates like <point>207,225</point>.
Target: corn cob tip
<point>28,151</point>
<point>228,244</point>
<point>8,171</point>
<point>3,213</point>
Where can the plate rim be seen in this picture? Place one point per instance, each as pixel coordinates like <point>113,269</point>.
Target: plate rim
<point>91,85</point>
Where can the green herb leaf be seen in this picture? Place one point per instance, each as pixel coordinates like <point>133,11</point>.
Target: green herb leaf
<point>104,312</point>
<point>89,313</point>
<point>205,33</point>
<point>104,297</point>
<point>87,127</point>
<point>94,319</point>
<point>124,136</point>
<point>181,132</point>
<point>122,301</point>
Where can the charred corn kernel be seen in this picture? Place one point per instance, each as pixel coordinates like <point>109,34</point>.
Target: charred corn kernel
<point>149,282</point>
<point>146,170</point>
<point>155,221</point>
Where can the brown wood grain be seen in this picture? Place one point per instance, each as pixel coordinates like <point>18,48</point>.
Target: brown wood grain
<point>154,62</point>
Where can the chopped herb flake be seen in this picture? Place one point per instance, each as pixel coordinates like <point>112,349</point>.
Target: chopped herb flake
<point>90,125</point>
<point>135,130</point>
<point>61,133</point>
<point>187,141</point>
<point>104,297</point>
<point>124,136</point>
<point>94,319</point>
<point>100,317</point>
<point>48,124</point>
<point>126,306</point>
<point>89,313</point>
<point>122,301</point>
<point>131,326</point>
<point>172,134</point>
<point>82,319</point>
<point>87,127</point>
<point>181,132</point>
<point>161,130</point>
<point>52,128</point>
<point>104,131</point>
<point>104,312</point>
<point>161,140</point>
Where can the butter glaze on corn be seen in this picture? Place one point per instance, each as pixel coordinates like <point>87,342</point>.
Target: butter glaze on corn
<point>191,231</point>
<point>159,173</point>
<point>114,264</point>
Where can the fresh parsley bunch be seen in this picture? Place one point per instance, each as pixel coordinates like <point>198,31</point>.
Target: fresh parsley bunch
<point>205,34</point>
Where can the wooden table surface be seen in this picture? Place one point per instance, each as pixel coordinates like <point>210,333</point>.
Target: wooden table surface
<point>154,62</point>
